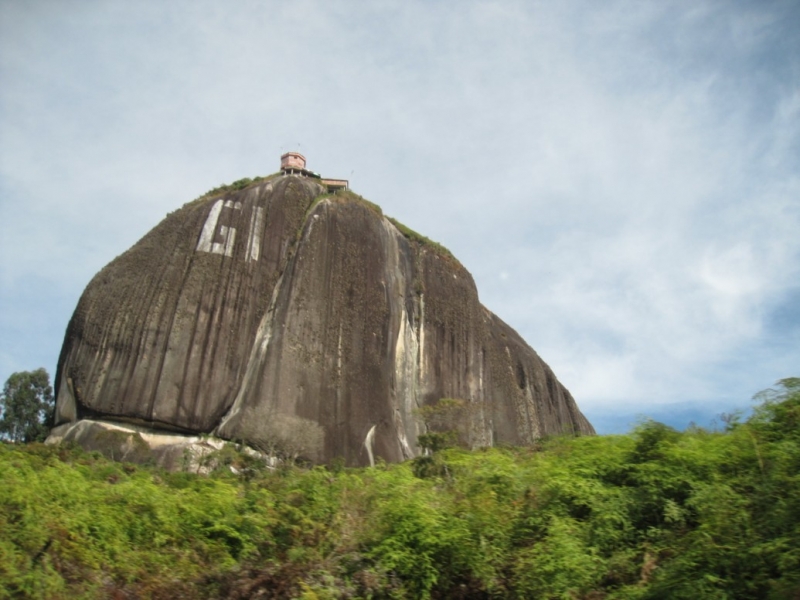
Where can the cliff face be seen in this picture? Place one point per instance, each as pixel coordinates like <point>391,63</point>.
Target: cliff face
<point>303,323</point>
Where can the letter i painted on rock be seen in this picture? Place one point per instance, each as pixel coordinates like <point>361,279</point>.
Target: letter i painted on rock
<point>254,236</point>
<point>211,230</point>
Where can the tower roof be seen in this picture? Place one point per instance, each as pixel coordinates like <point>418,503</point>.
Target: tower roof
<point>293,160</point>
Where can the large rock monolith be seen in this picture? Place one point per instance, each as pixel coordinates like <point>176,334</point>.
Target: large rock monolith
<point>304,323</point>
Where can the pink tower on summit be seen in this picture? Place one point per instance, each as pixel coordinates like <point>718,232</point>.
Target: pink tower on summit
<point>292,161</point>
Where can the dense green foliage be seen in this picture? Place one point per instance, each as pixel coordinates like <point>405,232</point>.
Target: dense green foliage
<point>654,514</point>
<point>26,405</point>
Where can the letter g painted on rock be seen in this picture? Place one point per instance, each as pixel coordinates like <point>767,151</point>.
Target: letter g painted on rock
<point>211,229</point>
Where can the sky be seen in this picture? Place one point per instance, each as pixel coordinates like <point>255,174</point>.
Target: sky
<point>621,178</point>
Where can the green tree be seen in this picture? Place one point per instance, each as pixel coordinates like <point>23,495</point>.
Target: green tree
<point>27,406</point>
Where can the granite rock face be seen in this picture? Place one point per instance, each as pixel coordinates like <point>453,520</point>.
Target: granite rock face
<point>304,323</point>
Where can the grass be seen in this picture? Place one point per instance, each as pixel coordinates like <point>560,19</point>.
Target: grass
<point>238,185</point>
<point>414,236</point>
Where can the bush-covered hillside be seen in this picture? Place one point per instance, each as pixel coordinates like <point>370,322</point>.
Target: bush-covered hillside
<point>653,514</point>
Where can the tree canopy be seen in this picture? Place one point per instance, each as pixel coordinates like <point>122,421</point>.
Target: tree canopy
<point>27,406</point>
